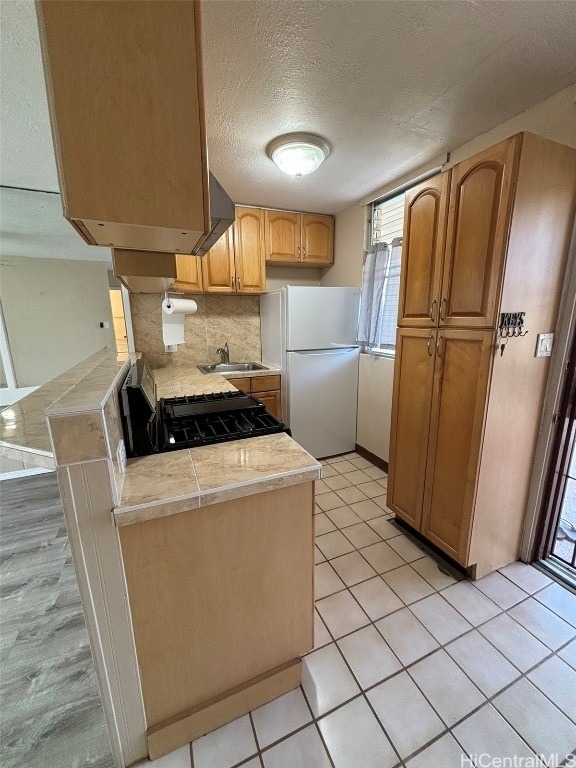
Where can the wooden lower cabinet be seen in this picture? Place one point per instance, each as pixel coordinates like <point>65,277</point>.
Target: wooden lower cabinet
<point>439,402</point>
<point>272,402</point>
<point>412,400</point>
<point>221,599</point>
<point>263,388</point>
<point>463,360</point>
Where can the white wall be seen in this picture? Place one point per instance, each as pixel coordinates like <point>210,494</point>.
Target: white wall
<point>276,277</point>
<point>52,309</point>
<point>375,378</point>
<point>348,248</point>
<point>554,119</point>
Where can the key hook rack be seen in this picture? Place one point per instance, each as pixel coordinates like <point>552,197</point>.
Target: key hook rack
<point>510,333</point>
<point>511,326</point>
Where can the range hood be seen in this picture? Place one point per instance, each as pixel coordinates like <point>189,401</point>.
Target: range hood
<point>221,215</point>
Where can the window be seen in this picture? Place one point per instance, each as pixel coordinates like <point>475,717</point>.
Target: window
<point>381,277</point>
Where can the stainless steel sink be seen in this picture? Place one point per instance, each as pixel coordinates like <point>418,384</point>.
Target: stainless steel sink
<point>231,367</point>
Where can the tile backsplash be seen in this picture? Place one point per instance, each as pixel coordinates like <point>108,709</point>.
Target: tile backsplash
<point>235,319</point>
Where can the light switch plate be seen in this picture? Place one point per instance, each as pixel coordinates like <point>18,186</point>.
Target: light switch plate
<point>544,344</point>
<point>171,347</point>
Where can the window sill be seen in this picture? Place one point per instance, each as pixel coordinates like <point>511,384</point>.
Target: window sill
<point>379,353</point>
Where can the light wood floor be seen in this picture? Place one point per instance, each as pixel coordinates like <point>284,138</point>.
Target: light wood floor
<point>51,715</point>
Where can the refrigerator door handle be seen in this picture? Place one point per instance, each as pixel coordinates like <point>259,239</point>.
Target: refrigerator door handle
<point>337,351</point>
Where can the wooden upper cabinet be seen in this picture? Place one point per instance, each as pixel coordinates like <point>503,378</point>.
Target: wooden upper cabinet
<point>218,272</point>
<point>463,361</point>
<point>317,240</point>
<point>282,236</point>
<point>188,274</point>
<point>412,398</point>
<point>423,251</point>
<point>303,239</point>
<point>125,92</point>
<point>249,250</point>
<point>481,198</point>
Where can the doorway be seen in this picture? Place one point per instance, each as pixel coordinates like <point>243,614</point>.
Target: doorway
<point>118,320</point>
<point>557,547</point>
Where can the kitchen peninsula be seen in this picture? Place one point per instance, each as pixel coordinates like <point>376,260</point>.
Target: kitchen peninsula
<point>195,566</point>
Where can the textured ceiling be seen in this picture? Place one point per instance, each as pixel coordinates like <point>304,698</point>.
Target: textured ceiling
<point>32,224</point>
<point>391,84</point>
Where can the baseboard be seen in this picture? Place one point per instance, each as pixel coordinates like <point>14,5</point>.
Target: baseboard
<point>187,726</point>
<point>376,460</point>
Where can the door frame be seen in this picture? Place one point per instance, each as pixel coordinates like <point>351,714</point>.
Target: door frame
<point>544,454</point>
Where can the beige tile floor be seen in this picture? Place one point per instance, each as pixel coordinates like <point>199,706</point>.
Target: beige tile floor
<point>412,667</point>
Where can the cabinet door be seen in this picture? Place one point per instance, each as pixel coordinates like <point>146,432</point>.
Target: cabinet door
<point>411,402</point>
<point>422,252</point>
<point>463,362</point>
<point>249,250</point>
<point>188,274</point>
<point>481,195</point>
<point>282,237</point>
<point>271,401</point>
<point>317,240</point>
<point>218,275</point>
<point>135,178</point>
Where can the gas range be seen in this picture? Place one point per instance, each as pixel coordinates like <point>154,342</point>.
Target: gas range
<point>170,424</point>
<point>187,422</point>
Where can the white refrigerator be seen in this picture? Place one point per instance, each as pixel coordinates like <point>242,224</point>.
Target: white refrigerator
<point>310,333</point>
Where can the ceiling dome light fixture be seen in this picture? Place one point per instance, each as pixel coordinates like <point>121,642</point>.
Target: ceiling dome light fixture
<point>298,154</point>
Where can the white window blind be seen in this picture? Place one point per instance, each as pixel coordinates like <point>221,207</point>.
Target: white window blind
<point>386,251</point>
<point>388,219</point>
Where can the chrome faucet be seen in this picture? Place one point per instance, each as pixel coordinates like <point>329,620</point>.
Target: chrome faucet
<point>224,353</point>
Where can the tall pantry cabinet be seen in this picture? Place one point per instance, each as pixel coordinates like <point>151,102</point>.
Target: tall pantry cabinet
<point>489,236</point>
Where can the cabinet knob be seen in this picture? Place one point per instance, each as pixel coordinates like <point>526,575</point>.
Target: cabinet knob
<point>304,252</point>
<point>299,253</point>
<point>439,346</point>
<point>232,283</point>
<point>238,279</point>
<point>431,313</point>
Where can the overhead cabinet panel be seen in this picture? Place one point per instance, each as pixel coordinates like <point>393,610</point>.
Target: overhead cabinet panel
<point>249,250</point>
<point>303,239</point>
<point>124,84</point>
<point>478,220</point>
<point>218,273</point>
<point>317,239</point>
<point>235,264</point>
<point>422,252</point>
<point>282,236</point>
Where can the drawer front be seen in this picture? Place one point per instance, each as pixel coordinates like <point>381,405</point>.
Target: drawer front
<point>264,383</point>
<point>242,382</point>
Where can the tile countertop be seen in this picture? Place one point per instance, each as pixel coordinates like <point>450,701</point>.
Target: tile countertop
<point>23,426</point>
<point>167,483</point>
<point>177,382</point>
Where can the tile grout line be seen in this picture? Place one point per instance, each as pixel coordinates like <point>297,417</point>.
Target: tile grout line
<point>488,700</point>
<point>362,693</point>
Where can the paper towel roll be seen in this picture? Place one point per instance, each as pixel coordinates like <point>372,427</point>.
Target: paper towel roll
<point>179,306</point>
<point>173,311</point>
